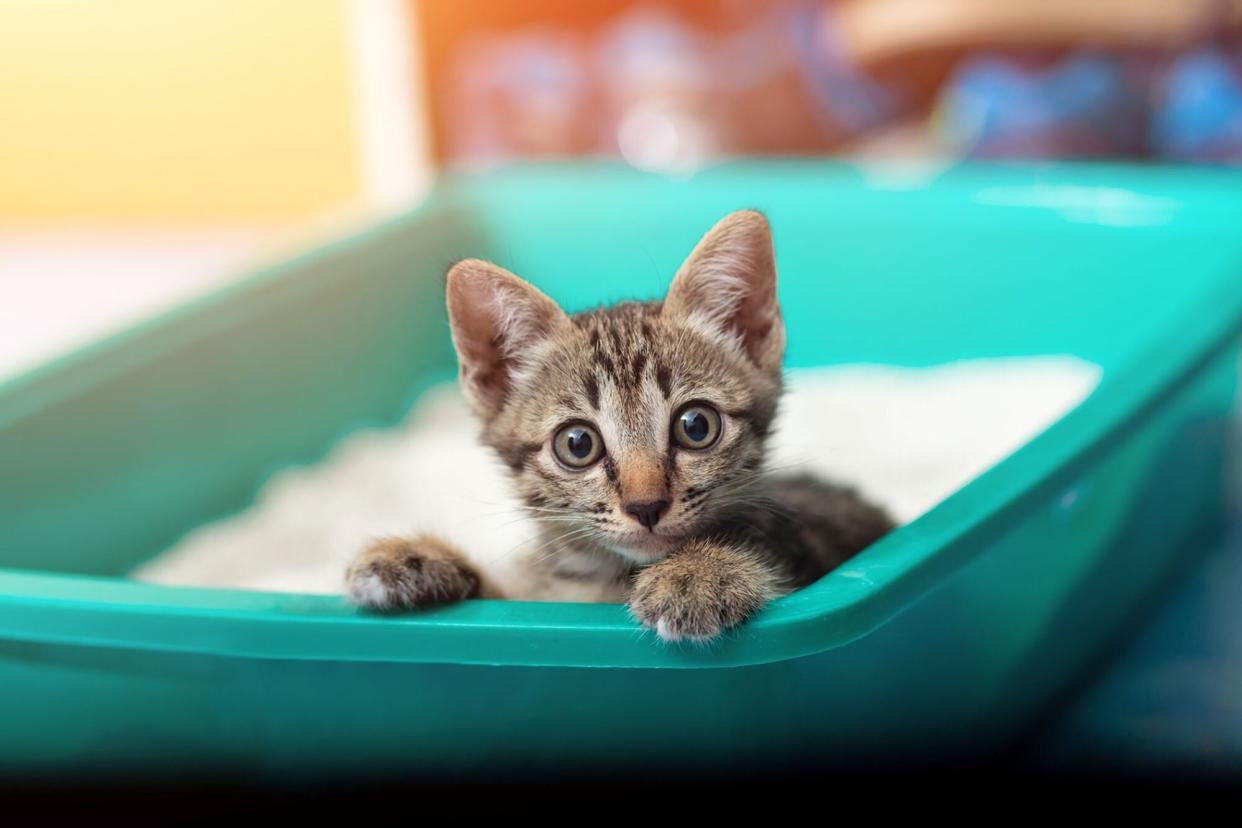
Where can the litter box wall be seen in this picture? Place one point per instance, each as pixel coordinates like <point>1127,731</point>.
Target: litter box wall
<point>964,667</point>
<point>951,634</point>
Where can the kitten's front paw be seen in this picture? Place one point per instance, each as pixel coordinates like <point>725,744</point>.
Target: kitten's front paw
<point>400,574</point>
<point>699,592</point>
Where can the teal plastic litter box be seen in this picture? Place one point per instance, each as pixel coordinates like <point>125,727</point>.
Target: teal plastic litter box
<point>952,634</point>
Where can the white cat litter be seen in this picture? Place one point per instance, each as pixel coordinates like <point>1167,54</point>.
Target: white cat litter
<point>906,437</point>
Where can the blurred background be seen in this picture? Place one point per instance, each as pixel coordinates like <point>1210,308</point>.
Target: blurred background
<point>149,150</point>
<point>154,151</point>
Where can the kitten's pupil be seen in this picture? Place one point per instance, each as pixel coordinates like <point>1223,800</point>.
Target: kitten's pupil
<point>694,425</point>
<point>579,443</point>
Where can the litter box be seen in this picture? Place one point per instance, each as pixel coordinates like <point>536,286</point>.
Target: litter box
<point>951,636</point>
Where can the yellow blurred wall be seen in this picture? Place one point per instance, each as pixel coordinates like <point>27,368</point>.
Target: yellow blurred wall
<point>182,109</point>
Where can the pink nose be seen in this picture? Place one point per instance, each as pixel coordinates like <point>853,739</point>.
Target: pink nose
<point>648,514</point>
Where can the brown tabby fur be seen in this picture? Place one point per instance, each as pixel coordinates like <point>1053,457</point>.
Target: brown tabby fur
<point>733,537</point>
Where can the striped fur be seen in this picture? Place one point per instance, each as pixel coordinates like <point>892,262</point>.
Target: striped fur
<point>732,536</point>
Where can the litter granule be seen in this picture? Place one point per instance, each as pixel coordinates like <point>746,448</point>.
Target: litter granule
<point>906,437</point>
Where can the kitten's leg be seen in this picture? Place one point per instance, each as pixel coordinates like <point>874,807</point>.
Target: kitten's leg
<point>702,589</point>
<point>813,526</point>
<point>394,574</point>
<point>708,586</point>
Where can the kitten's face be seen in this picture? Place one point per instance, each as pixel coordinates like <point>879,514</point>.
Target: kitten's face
<point>633,429</point>
<point>629,426</point>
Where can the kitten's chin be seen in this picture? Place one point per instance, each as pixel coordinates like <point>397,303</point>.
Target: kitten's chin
<point>644,547</point>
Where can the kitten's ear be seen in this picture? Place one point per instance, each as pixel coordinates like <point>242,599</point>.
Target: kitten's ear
<point>499,323</point>
<point>727,288</point>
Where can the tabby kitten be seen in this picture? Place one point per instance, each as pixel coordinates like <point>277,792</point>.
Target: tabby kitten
<point>636,435</point>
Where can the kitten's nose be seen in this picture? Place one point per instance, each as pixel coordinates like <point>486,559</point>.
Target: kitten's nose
<point>648,514</point>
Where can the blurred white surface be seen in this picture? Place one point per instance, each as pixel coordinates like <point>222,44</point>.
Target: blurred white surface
<point>63,287</point>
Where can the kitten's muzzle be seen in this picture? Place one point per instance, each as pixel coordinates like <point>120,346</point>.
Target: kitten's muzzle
<point>648,514</point>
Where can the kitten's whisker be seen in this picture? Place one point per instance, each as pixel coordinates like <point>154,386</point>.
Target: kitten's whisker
<point>551,508</point>
<point>561,539</point>
<point>539,537</point>
<point>522,509</point>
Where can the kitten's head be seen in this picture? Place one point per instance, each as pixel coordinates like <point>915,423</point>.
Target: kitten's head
<point>629,426</point>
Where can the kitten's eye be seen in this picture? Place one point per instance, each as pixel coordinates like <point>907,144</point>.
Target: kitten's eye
<point>696,426</point>
<point>577,445</point>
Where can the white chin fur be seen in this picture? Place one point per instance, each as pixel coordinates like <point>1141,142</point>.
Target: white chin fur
<point>640,555</point>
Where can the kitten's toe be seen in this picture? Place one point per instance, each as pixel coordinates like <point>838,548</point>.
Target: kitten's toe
<point>684,622</point>
<point>395,574</point>
<point>681,622</point>
<point>697,597</point>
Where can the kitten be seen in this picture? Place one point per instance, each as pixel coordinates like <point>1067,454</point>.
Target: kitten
<point>635,434</point>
